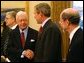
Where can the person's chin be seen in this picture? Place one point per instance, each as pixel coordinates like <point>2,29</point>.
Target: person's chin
<point>23,28</point>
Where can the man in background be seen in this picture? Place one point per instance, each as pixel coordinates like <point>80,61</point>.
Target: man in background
<point>9,24</point>
<point>10,19</point>
<point>69,21</point>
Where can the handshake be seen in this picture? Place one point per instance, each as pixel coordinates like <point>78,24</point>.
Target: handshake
<point>27,53</point>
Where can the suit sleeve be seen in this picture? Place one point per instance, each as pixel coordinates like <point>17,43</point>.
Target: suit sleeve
<point>13,51</point>
<point>52,46</point>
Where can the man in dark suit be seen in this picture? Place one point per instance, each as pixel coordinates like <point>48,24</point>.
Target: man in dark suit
<point>22,40</point>
<point>69,21</point>
<point>4,37</point>
<point>8,25</point>
<point>48,46</point>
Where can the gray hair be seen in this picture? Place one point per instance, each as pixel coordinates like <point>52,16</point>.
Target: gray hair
<point>21,13</point>
<point>12,14</point>
<point>43,8</point>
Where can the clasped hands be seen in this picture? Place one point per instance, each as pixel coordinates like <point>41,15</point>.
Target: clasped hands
<point>28,53</point>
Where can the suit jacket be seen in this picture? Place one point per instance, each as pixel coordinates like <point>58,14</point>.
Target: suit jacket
<point>75,53</point>
<point>4,39</point>
<point>48,46</point>
<point>15,48</point>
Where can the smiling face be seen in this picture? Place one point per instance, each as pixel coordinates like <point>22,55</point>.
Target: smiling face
<point>22,20</point>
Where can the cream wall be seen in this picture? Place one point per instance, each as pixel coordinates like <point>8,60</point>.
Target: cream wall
<point>13,4</point>
<point>32,21</point>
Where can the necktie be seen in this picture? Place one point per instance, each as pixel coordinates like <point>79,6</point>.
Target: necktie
<point>22,39</point>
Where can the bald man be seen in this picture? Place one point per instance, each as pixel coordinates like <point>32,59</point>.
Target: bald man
<point>69,21</point>
<point>22,40</point>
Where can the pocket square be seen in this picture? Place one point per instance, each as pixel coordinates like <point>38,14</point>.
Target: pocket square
<point>32,40</point>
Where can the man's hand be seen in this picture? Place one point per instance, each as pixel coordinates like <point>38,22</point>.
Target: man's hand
<point>28,53</point>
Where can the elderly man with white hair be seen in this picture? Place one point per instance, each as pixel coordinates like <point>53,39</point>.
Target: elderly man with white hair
<point>22,40</point>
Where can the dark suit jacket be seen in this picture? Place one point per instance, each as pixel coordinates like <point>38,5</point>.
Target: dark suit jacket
<point>15,48</point>
<point>4,39</point>
<point>48,46</point>
<point>75,53</point>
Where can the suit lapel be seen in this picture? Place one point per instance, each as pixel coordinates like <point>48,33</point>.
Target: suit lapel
<point>18,37</point>
<point>47,24</point>
<point>74,39</point>
<point>44,27</point>
<point>28,37</point>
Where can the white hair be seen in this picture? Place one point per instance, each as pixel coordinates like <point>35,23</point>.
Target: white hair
<point>21,13</point>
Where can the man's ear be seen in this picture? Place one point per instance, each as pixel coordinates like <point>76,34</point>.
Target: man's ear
<point>68,22</point>
<point>41,14</point>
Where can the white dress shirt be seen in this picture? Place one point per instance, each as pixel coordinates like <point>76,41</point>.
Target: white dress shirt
<point>25,32</point>
<point>73,32</point>
<point>14,27</point>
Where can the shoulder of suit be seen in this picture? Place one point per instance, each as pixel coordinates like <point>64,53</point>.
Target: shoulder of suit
<point>79,32</point>
<point>15,30</point>
<point>29,28</point>
<point>53,26</point>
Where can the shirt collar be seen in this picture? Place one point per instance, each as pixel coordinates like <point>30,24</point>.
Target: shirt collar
<point>14,27</point>
<point>23,30</point>
<point>45,21</point>
<point>73,32</point>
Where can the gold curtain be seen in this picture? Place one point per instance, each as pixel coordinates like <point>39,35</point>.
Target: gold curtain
<point>27,8</point>
<point>57,8</point>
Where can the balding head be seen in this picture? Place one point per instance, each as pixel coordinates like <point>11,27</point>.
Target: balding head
<point>71,11</point>
<point>71,14</point>
<point>22,19</point>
